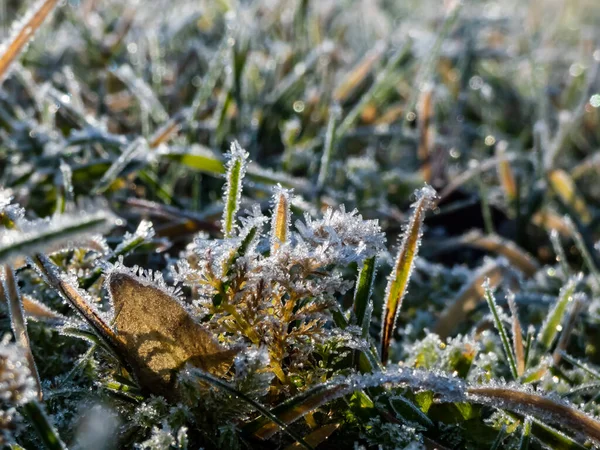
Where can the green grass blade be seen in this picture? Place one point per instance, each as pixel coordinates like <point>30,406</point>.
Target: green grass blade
<point>10,290</point>
<point>398,281</point>
<point>38,419</point>
<point>236,169</point>
<point>491,301</point>
<point>551,325</point>
<point>362,294</point>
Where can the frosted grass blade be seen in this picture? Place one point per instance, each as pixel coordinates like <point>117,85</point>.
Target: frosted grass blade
<point>132,151</point>
<point>280,224</point>
<point>236,169</point>
<point>551,325</point>
<point>12,48</point>
<point>18,321</point>
<point>78,300</point>
<point>65,230</point>
<point>358,73</point>
<point>491,301</point>
<point>400,276</point>
<point>543,408</point>
<point>517,335</point>
<point>42,425</point>
<point>362,295</point>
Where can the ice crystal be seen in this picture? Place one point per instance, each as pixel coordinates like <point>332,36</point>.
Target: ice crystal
<point>346,234</point>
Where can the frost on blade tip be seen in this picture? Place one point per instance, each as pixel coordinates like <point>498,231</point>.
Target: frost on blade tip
<point>136,149</point>
<point>399,278</point>
<point>143,233</point>
<point>237,161</point>
<point>51,234</point>
<point>280,222</point>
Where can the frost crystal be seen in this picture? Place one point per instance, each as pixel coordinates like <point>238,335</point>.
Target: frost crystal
<point>346,234</point>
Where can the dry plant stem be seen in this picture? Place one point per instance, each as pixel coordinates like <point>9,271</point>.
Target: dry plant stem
<point>74,297</point>
<point>24,35</point>
<point>505,174</point>
<point>536,405</point>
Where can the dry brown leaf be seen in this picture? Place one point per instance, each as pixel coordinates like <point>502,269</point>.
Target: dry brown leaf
<point>159,336</point>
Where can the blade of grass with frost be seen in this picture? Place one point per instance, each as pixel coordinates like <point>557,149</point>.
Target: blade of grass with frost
<point>40,422</point>
<point>280,224</point>
<point>525,434</point>
<point>78,299</point>
<point>544,408</point>
<point>204,160</point>
<point>559,251</point>
<point>468,298</point>
<point>209,81</point>
<point>491,301</point>
<point>474,170</point>
<point>66,199</point>
<point>381,80</point>
<point>583,248</point>
<point>565,336</point>
<point>143,234</point>
<point>56,233</point>
<point>362,294</point>
<point>517,335</point>
<point>497,244</point>
<point>130,152</point>
<point>329,146</point>
<point>18,322</point>
<point>400,276</point>
<point>564,186</point>
<point>551,325</point>
<point>581,365</point>
<point>14,45</point>
<point>236,169</point>
<point>143,93</point>
<point>446,388</point>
